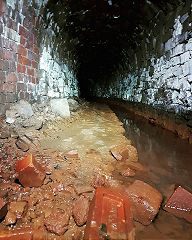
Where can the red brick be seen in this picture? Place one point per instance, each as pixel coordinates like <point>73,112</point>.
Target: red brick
<point>2,77</point>
<point>11,77</point>
<point>22,40</point>
<point>30,72</point>
<point>145,201</point>
<point>34,64</point>
<point>111,209</point>
<point>23,32</point>
<point>180,204</point>
<point>7,55</point>
<point>24,61</point>
<point>35,49</point>
<point>22,51</point>
<point>21,68</point>
<point>7,87</point>
<point>30,172</point>
<point>2,6</point>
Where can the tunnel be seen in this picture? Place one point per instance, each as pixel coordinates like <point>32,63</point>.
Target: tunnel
<point>95,119</point>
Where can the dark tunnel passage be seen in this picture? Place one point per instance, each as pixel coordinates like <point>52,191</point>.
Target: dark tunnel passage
<point>104,35</point>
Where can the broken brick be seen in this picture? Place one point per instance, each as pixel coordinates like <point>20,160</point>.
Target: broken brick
<point>80,210</point>
<point>180,204</point>
<point>145,201</point>
<point>57,222</point>
<point>120,152</point>
<point>18,208</point>
<point>21,144</point>
<point>109,216</point>
<point>30,172</point>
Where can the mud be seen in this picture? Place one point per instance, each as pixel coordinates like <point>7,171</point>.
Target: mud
<point>75,154</point>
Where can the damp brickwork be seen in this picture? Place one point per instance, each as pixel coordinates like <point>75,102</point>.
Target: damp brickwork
<point>158,72</point>
<point>28,70</point>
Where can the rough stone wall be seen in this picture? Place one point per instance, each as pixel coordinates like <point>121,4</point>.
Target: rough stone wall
<point>159,71</point>
<point>27,69</point>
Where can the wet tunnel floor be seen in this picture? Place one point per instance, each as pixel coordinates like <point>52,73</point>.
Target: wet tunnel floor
<point>168,160</point>
<point>91,132</point>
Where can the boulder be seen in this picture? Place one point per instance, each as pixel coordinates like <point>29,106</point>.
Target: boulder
<point>180,204</point>
<point>145,201</point>
<point>80,210</point>
<point>30,172</point>
<point>57,222</point>
<point>60,107</point>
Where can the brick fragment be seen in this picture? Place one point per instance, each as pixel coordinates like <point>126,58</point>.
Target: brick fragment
<point>31,174</point>
<point>80,210</point>
<point>180,204</point>
<point>145,201</point>
<point>18,208</point>
<point>120,152</point>
<point>58,221</point>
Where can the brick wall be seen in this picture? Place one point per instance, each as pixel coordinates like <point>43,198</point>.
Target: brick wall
<point>159,71</point>
<point>19,52</point>
<point>30,66</point>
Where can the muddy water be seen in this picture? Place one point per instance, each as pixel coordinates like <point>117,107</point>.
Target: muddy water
<point>96,128</point>
<point>168,160</point>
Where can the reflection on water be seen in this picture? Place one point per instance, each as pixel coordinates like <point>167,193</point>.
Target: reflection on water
<point>169,161</point>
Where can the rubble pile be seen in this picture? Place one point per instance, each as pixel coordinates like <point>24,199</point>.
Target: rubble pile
<point>50,171</point>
